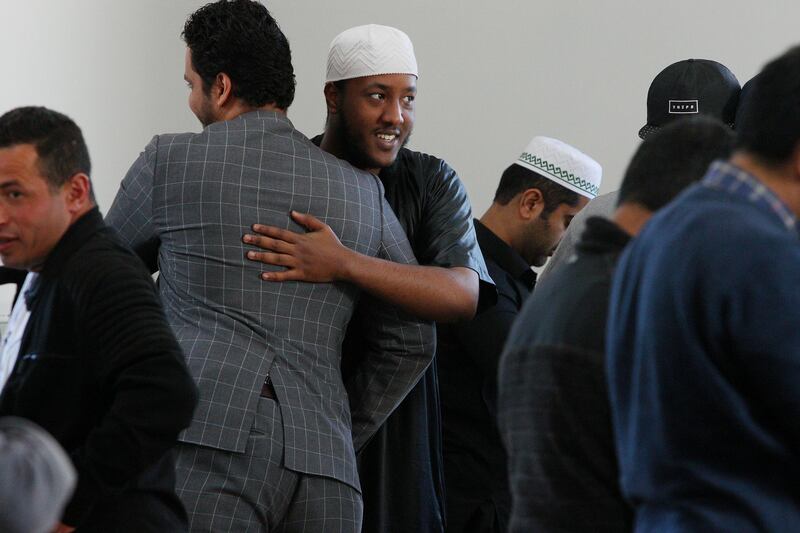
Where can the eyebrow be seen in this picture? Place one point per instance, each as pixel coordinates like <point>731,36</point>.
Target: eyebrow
<point>381,86</point>
<point>7,184</point>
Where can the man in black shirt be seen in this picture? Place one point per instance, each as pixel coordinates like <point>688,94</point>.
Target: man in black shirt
<point>89,355</point>
<point>537,197</point>
<point>370,92</point>
<point>553,406</point>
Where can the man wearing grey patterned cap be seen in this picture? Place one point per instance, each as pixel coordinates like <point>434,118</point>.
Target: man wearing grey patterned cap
<point>36,478</point>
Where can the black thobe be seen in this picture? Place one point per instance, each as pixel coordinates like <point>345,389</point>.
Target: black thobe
<point>401,467</point>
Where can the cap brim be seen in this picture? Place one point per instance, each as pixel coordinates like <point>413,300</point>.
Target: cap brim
<point>647,129</point>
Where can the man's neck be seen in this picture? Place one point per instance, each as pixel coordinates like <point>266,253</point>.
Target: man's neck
<point>239,107</point>
<point>631,217</point>
<point>329,144</point>
<point>82,211</point>
<point>335,146</point>
<point>495,221</point>
<point>74,217</point>
<point>783,179</point>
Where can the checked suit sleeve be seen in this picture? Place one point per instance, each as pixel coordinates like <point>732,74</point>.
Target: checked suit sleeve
<point>398,347</point>
<point>131,214</point>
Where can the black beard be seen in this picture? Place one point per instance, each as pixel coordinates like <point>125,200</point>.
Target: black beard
<point>353,151</point>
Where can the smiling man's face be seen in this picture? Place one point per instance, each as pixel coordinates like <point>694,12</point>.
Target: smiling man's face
<point>375,118</point>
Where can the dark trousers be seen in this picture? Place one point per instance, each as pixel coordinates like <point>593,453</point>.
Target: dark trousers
<point>150,507</point>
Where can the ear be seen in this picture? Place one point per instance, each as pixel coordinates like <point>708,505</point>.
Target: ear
<point>77,190</point>
<point>331,98</point>
<point>530,204</point>
<point>222,90</point>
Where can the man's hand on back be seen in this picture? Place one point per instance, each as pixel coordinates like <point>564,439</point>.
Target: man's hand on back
<point>430,292</point>
<point>316,256</point>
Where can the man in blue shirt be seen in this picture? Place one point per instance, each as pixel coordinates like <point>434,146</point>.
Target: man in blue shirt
<point>703,336</point>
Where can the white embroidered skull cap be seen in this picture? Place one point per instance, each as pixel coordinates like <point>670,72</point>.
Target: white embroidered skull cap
<point>370,50</point>
<point>564,164</point>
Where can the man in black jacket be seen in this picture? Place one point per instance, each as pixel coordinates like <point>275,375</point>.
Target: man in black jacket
<point>88,354</point>
<point>553,406</point>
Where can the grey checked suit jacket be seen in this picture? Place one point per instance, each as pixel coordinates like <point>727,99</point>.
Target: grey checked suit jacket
<point>184,206</point>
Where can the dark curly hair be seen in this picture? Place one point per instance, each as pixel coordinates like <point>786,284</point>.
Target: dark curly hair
<point>241,39</point>
<point>59,143</point>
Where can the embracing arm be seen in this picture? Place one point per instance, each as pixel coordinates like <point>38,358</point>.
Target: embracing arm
<point>398,348</point>
<point>433,293</point>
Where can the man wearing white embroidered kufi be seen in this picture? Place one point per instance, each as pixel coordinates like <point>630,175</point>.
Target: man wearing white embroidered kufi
<point>552,406</point>
<point>370,88</point>
<point>577,179</point>
<point>537,197</point>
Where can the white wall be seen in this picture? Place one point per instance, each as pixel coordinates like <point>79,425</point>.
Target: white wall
<point>492,74</point>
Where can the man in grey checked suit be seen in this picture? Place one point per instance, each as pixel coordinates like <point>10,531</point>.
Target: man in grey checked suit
<point>270,447</point>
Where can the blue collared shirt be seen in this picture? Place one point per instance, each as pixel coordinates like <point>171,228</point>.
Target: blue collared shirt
<point>726,176</point>
<point>703,361</point>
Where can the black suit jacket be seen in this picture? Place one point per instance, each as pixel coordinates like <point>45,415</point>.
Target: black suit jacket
<point>100,370</point>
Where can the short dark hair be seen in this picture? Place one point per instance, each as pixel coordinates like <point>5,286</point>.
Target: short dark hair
<point>516,179</point>
<point>241,39</point>
<point>59,143</point>
<point>770,124</point>
<point>672,158</point>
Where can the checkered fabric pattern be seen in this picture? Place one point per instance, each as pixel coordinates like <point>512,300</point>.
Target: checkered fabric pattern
<point>253,492</point>
<point>728,177</point>
<point>184,206</point>
<point>323,504</point>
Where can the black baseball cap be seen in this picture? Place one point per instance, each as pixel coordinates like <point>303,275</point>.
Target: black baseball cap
<point>688,88</point>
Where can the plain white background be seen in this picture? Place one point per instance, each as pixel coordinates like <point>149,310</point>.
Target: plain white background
<point>492,74</point>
